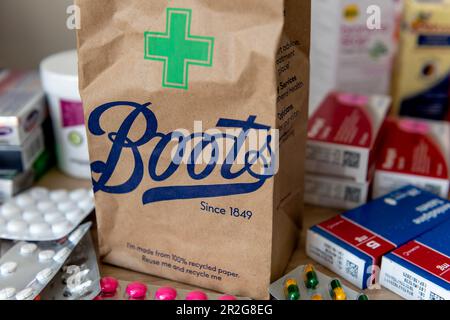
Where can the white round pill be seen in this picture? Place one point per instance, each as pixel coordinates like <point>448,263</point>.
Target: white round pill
<point>66,206</point>
<point>32,215</point>
<point>7,293</point>
<point>86,205</point>
<point>17,226</point>
<point>79,194</point>
<point>24,201</point>
<point>10,211</point>
<point>8,268</point>
<point>45,206</point>
<point>46,255</point>
<point>39,193</point>
<point>74,216</point>
<point>40,228</point>
<point>62,228</point>
<point>28,248</point>
<point>53,217</point>
<point>25,294</point>
<point>44,276</point>
<point>59,195</point>
<point>62,255</point>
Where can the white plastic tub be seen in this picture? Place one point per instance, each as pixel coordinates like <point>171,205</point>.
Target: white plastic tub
<point>59,75</point>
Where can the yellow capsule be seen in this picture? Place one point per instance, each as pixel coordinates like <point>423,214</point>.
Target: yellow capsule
<point>339,294</point>
<point>290,282</point>
<point>316,296</point>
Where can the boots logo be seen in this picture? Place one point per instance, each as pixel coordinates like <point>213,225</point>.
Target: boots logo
<point>235,157</point>
<point>178,49</point>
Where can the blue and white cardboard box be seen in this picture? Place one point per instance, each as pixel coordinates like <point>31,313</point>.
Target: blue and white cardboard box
<point>352,244</point>
<point>420,270</point>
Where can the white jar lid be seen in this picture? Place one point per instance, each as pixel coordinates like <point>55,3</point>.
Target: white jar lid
<point>59,74</point>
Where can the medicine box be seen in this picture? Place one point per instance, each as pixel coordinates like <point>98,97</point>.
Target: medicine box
<point>22,105</point>
<point>353,46</point>
<point>14,182</point>
<point>414,152</point>
<point>422,83</point>
<point>334,192</point>
<point>343,135</point>
<point>420,270</point>
<point>21,158</point>
<point>352,244</point>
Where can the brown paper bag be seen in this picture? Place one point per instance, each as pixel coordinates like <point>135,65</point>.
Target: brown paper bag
<point>196,115</point>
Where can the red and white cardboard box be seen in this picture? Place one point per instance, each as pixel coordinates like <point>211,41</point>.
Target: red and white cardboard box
<point>334,192</point>
<point>343,134</point>
<point>420,270</point>
<point>414,152</point>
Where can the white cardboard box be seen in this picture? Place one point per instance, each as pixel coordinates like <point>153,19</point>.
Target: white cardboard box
<point>22,106</point>
<point>346,53</point>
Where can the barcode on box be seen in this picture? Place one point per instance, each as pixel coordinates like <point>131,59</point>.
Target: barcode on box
<point>352,194</point>
<point>351,269</point>
<point>434,296</point>
<point>351,159</point>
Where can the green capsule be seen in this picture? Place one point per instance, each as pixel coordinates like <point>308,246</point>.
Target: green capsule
<point>291,289</point>
<point>310,277</point>
<point>362,297</point>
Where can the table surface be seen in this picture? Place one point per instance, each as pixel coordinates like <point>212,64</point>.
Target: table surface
<point>313,215</point>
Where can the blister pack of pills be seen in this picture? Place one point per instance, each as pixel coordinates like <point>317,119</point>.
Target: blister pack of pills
<point>305,283</point>
<point>114,289</point>
<point>79,278</point>
<point>27,268</point>
<point>43,215</point>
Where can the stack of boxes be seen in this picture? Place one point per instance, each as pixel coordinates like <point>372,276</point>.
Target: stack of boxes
<point>405,231</point>
<point>22,142</point>
<point>354,243</point>
<point>344,135</point>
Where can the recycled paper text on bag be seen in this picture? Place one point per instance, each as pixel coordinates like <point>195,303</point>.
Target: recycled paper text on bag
<point>196,114</point>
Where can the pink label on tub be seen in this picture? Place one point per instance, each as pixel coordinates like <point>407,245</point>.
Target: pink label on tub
<point>71,113</point>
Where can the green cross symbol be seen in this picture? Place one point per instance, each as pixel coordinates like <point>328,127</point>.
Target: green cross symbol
<point>178,49</point>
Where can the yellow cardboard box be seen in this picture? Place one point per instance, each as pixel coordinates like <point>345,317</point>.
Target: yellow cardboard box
<point>422,85</point>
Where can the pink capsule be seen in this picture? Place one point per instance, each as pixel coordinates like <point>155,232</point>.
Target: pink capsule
<point>109,286</point>
<point>196,295</point>
<point>166,293</point>
<point>227,297</point>
<point>136,291</point>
